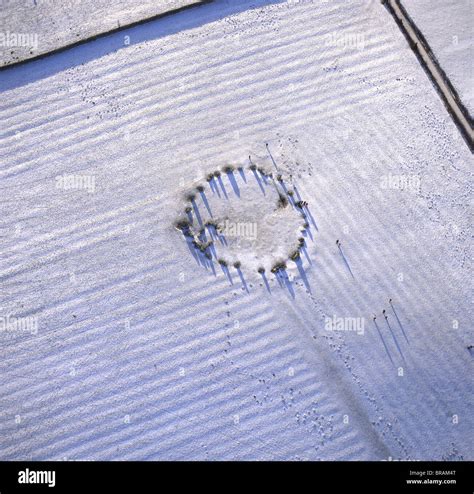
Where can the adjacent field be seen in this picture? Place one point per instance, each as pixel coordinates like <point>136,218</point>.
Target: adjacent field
<point>29,28</point>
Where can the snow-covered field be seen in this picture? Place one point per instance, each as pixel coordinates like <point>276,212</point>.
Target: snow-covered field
<point>29,28</point>
<point>120,340</point>
<point>448,30</point>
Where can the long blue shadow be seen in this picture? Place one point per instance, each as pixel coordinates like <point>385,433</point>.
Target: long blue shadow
<point>383,341</point>
<point>214,187</point>
<point>283,186</point>
<point>206,203</point>
<point>297,192</point>
<point>196,212</point>
<point>221,183</point>
<point>305,252</point>
<point>345,260</point>
<point>399,323</point>
<point>233,182</point>
<point>308,233</point>
<point>227,272</point>
<point>299,264</point>
<point>291,200</point>
<point>221,238</point>
<point>271,156</point>
<point>257,178</point>
<point>212,249</point>
<point>286,280</point>
<point>266,282</point>
<point>242,279</point>
<point>213,267</point>
<point>394,339</point>
<point>192,249</point>
<point>308,213</point>
<point>277,276</point>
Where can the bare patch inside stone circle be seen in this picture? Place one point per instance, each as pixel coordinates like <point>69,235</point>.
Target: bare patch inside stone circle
<point>244,216</point>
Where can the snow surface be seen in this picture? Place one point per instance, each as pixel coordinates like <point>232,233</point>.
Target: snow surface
<point>29,28</point>
<point>142,351</point>
<point>448,27</point>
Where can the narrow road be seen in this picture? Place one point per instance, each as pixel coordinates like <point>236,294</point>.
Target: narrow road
<point>442,83</point>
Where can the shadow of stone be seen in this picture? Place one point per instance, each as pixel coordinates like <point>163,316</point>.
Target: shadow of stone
<point>308,213</point>
<point>212,250</point>
<point>266,282</point>
<point>242,279</point>
<point>299,264</point>
<point>206,203</point>
<point>271,156</point>
<point>297,192</point>
<point>305,252</point>
<point>394,339</point>
<point>196,212</point>
<point>233,182</point>
<point>192,249</point>
<point>215,235</point>
<point>286,280</point>
<point>257,178</point>
<point>227,272</point>
<point>206,262</point>
<point>221,238</point>
<point>221,183</point>
<point>345,261</point>
<point>278,278</point>
<point>383,341</point>
<point>399,322</point>
<point>214,187</point>
<point>283,186</point>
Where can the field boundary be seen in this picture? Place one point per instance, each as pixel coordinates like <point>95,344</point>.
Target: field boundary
<point>435,72</point>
